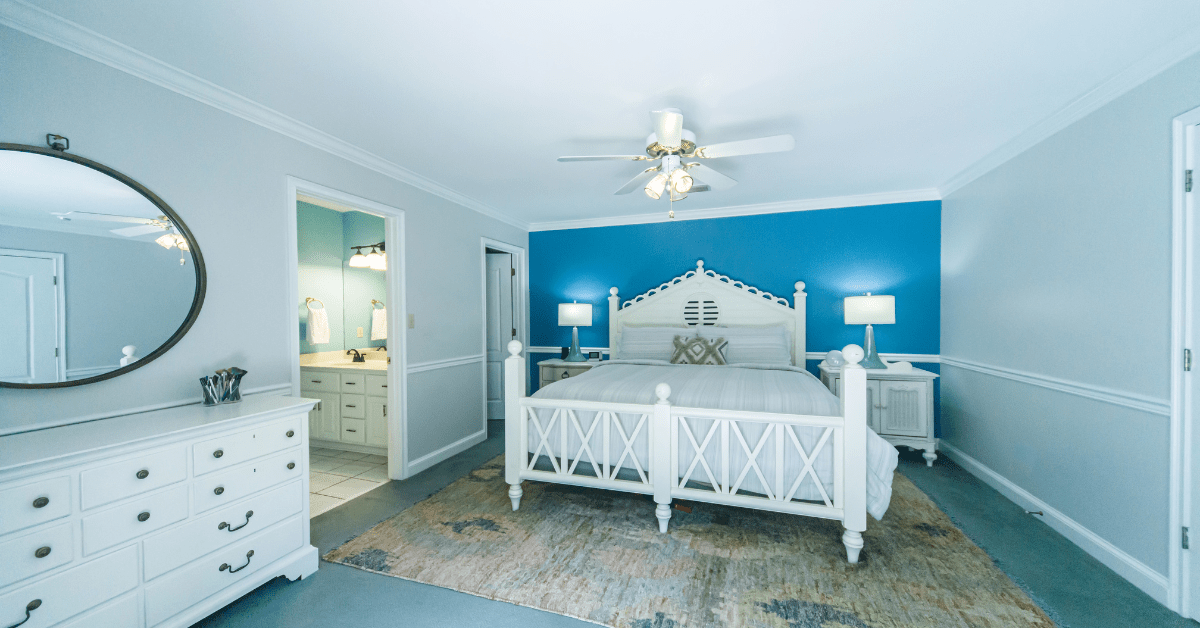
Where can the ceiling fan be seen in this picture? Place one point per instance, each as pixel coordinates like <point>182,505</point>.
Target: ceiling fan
<point>147,225</point>
<point>671,144</point>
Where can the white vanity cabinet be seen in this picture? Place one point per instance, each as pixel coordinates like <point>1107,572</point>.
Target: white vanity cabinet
<point>155,519</point>
<point>899,406</point>
<point>352,408</point>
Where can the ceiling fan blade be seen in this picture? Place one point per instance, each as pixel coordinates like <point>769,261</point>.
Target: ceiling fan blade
<point>714,179</point>
<point>773,144</point>
<point>638,181</point>
<point>130,232</point>
<point>699,187</point>
<point>668,127</point>
<point>109,217</point>
<point>606,158</point>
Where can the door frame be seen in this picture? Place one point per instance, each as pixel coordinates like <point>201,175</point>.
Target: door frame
<point>1183,309</point>
<point>397,372</point>
<point>520,303</point>
<point>60,297</point>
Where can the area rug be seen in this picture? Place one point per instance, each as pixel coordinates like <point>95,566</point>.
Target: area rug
<point>597,555</point>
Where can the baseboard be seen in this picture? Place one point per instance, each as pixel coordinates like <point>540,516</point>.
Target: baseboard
<point>1141,575</point>
<point>340,446</point>
<point>458,446</point>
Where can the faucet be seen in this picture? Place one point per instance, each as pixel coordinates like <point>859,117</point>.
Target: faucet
<point>358,357</point>
<point>381,348</point>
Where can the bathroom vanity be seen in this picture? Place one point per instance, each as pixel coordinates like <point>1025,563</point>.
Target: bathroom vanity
<point>351,411</point>
<point>155,519</point>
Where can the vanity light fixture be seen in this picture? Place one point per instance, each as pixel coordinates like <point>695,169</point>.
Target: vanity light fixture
<point>375,260</point>
<point>358,260</point>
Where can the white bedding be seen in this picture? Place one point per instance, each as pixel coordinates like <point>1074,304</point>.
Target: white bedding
<point>752,387</point>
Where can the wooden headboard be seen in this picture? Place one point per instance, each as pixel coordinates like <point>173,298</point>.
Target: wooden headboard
<point>703,297</point>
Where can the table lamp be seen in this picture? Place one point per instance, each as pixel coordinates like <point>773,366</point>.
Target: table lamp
<point>870,310</point>
<point>574,315</point>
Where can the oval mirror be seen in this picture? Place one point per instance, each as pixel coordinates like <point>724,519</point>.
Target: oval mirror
<point>98,276</point>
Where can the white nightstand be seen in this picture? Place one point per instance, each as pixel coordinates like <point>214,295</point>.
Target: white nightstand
<point>550,371</point>
<point>899,405</point>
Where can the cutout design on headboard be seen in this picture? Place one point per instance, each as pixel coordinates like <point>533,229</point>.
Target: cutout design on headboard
<point>701,310</point>
<point>722,278</point>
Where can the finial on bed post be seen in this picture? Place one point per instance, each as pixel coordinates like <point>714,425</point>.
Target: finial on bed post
<point>662,391</point>
<point>514,347</point>
<point>660,442</point>
<point>699,267</point>
<point>853,354</point>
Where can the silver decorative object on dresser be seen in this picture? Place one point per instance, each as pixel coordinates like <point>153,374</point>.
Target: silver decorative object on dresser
<point>155,519</point>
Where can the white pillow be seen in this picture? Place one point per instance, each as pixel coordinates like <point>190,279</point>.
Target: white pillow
<point>769,344</point>
<point>649,343</point>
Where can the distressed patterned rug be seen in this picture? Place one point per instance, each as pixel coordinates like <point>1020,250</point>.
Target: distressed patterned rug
<point>597,555</point>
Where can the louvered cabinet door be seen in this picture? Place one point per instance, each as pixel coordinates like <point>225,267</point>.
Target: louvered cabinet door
<point>902,408</point>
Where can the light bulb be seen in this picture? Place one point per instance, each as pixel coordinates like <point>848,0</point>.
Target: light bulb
<point>681,181</point>
<point>655,187</point>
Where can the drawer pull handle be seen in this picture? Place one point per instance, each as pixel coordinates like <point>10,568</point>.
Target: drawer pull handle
<point>385,385</point>
<point>218,453</point>
<point>350,405</point>
<point>350,430</point>
<point>41,502</point>
<point>565,375</point>
<point>350,383</point>
<point>29,608</point>
<point>249,513</point>
<point>316,381</point>
<point>291,465</point>
<point>218,490</point>
<point>225,566</point>
<point>291,433</point>
<point>143,474</point>
<point>42,552</point>
<point>144,516</point>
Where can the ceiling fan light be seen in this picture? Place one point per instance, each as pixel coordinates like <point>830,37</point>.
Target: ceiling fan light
<point>165,240</point>
<point>655,187</point>
<point>681,181</point>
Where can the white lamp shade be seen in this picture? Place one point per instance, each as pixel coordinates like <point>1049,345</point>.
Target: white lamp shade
<point>575,314</point>
<point>879,309</point>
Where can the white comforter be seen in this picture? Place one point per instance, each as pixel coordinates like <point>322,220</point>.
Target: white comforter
<point>783,389</point>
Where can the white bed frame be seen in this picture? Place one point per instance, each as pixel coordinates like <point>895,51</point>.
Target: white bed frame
<point>696,297</point>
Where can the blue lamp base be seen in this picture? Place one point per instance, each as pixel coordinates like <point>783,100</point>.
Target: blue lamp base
<point>574,354</point>
<point>872,359</point>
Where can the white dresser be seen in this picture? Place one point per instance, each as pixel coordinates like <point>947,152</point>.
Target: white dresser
<point>352,408</point>
<point>153,519</point>
<point>899,406</point>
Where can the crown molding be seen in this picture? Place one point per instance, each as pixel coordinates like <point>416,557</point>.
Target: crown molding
<point>58,31</point>
<point>832,202</point>
<point>1147,68</point>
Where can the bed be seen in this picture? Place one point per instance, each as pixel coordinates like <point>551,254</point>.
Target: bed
<point>760,432</point>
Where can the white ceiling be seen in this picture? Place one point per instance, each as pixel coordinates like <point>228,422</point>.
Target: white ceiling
<point>482,97</point>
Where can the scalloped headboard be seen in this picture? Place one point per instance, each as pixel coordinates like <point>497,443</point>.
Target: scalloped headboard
<point>703,297</point>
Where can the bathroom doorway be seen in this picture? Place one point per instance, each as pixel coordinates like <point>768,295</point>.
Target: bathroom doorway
<point>503,311</point>
<point>348,336</point>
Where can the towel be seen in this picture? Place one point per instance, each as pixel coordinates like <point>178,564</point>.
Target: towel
<point>318,326</point>
<point>379,324</point>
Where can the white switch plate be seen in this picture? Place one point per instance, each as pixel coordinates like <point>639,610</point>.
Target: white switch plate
<point>360,332</point>
<point>412,321</point>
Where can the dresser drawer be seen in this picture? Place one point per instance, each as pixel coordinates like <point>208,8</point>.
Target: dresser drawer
<point>354,431</point>
<point>183,544</point>
<point>188,585</point>
<point>377,385</point>
<point>130,477</point>
<point>354,406</point>
<point>227,451</point>
<point>34,503</point>
<point>124,613</point>
<point>320,381</point>
<point>229,486</point>
<point>32,554</point>
<point>354,383</point>
<point>73,591</point>
<point>140,516</point>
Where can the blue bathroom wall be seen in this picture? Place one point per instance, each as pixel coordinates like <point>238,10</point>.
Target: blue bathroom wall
<point>884,249</point>
<point>324,238</point>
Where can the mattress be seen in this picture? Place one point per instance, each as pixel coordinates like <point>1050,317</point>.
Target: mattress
<point>751,387</point>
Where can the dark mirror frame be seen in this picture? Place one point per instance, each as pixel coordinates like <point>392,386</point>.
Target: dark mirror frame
<point>197,260</point>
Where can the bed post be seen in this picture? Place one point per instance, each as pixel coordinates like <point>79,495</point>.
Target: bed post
<point>514,433</point>
<point>854,439</point>
<point>661,469</point>
<point>614,303</point>
<point>800,341</point>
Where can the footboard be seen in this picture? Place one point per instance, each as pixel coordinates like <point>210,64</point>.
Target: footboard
<point>799,464</point>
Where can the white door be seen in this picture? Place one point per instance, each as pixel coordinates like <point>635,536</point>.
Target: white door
<point>499,328</point>
<point>1191,514</point>
<point>29,322</point>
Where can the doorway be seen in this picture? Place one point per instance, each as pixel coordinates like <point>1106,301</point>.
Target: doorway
<point>503,307</point>
<point>32,317</point>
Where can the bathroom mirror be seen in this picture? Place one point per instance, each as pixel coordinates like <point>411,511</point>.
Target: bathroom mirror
<point>98,276</point>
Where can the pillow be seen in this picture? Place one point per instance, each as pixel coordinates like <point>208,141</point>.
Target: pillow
<point>769,344</point>
<point>647,343</point>
<point>697,350</point>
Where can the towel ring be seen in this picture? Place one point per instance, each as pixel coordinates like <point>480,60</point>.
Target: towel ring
<point>308,301</point>
<point>375,302</point>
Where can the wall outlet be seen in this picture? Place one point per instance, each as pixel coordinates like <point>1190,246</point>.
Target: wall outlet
<point>360,332</point>
<point>412,321</point>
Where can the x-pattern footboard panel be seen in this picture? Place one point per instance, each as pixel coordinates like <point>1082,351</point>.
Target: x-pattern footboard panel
<point>567,441</point>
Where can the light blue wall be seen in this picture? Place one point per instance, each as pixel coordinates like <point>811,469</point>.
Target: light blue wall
<point>324,238</point>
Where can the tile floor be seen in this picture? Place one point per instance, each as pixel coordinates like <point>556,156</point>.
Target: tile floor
<point>336,477</point>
